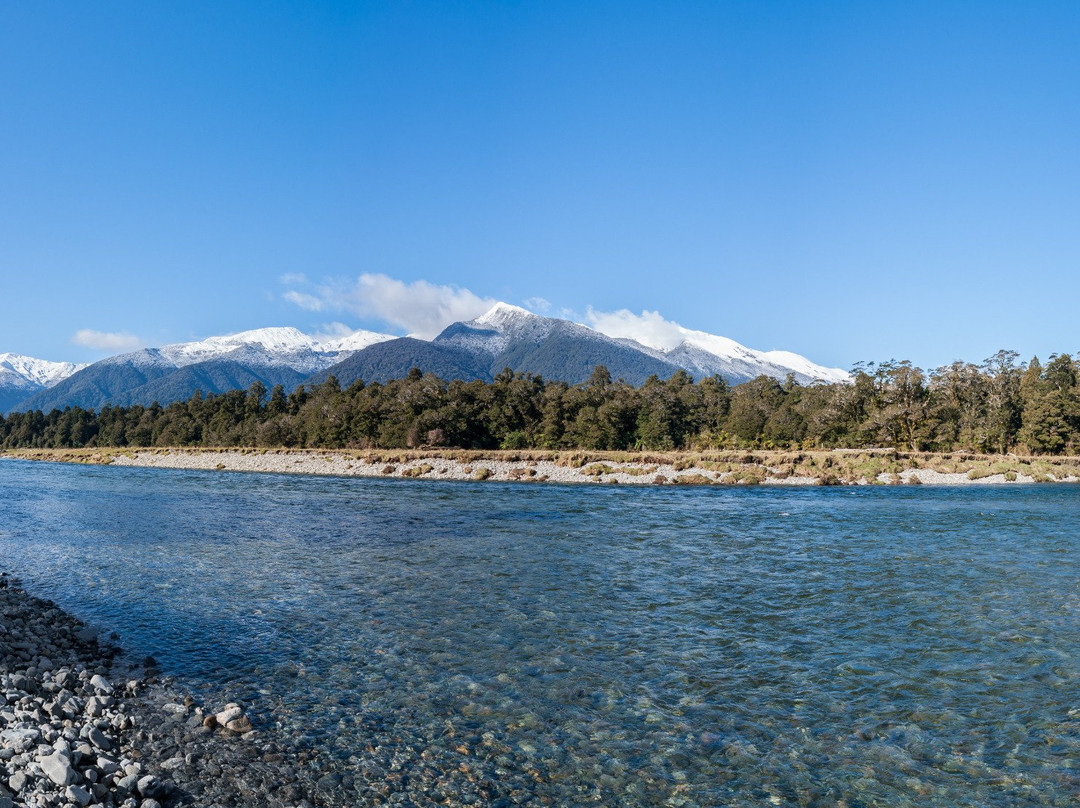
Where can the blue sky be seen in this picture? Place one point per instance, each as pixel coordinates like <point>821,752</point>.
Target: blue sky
<point>851,181</point>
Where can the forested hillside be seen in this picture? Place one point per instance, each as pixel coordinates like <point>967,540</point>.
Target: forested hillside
<point>997,406</point>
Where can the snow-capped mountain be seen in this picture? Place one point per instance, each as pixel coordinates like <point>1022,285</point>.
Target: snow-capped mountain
<point>631,347</point>
<point>284,356</point>
<point>704,354</point>
<point>697,352</point>
<point>513,337</point>
<point>505,325</point>
<point>22,376</point>
<point>40,372</point>
<point>509,322</point>
<point>272,346</point>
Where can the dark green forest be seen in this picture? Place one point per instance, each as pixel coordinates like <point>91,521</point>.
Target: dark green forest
<point>994,407</point>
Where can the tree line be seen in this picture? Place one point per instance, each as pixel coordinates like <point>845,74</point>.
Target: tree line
<point>997,406</point>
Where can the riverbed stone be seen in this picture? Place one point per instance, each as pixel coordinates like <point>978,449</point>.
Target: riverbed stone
<point>126,784</point>
<point>77,794</point>
<point>230,713</point>
<point>98,739</point>
<point>58,769</point>
<point>149,786</point>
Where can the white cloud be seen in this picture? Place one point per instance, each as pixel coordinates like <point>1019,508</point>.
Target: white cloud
<point>648,328</point>
<point>537,304</point>
<point>304,300</point>
<point>420,308</point>
<point>293,278</point>
<point>106,341</point>
<point>333,330</point>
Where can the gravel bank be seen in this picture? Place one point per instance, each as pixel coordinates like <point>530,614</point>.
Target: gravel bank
<point>435,467</point>
<point>78,727</point>
<point>494,469</point>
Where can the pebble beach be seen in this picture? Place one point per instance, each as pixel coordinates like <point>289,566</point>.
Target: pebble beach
<point>83,726</point>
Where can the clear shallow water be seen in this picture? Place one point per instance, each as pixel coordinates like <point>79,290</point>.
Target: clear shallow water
<point>570,645</point>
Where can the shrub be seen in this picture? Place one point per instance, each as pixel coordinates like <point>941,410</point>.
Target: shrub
<point>692,479</point>
<point>515,440</point>
<point>597,470</point>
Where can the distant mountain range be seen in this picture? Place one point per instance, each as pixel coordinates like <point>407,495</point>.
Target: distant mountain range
<point>272,356</point>
<point>22,376</point>
<point>505,336</point>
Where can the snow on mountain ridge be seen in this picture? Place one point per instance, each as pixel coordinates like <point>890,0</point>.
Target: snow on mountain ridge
<point>35,372</point>
<point>503,320</point>
<point>284,344</point>
<point>356,341</point>
<point>502,326</point>
<point>668,337</point>
<point>699,352</point>
<point>801,364</point>
<point>285,340</point>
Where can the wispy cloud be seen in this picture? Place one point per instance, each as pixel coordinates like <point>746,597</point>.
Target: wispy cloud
<point>333,330</point>
<point>648,328</point>
<point>537,304</point>
<point>304,300</point>
<point>419,307</point>
<point>107,341</point>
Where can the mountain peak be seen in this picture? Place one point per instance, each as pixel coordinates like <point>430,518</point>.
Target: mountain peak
<point>503,314</point>
<point>22,376</point>
<point>38,372</point>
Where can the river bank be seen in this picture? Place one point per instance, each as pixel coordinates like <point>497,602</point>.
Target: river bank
<point>80,726</point>
<point>836,467</point>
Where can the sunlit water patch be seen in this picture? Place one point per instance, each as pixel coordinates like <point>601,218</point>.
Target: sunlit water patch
<point>514,644</point>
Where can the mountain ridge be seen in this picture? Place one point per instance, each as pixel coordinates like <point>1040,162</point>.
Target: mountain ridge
<point>274,355</point>
<point>504,336</point>
<point>22,376</point>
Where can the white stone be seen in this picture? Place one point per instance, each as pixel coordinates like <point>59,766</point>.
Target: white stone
<point>77,794</point>
<point>100,684</point>
<point>58,769</point>
<point>230,712</point>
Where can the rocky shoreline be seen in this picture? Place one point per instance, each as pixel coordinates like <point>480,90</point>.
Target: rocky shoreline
<point>78,727</point>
